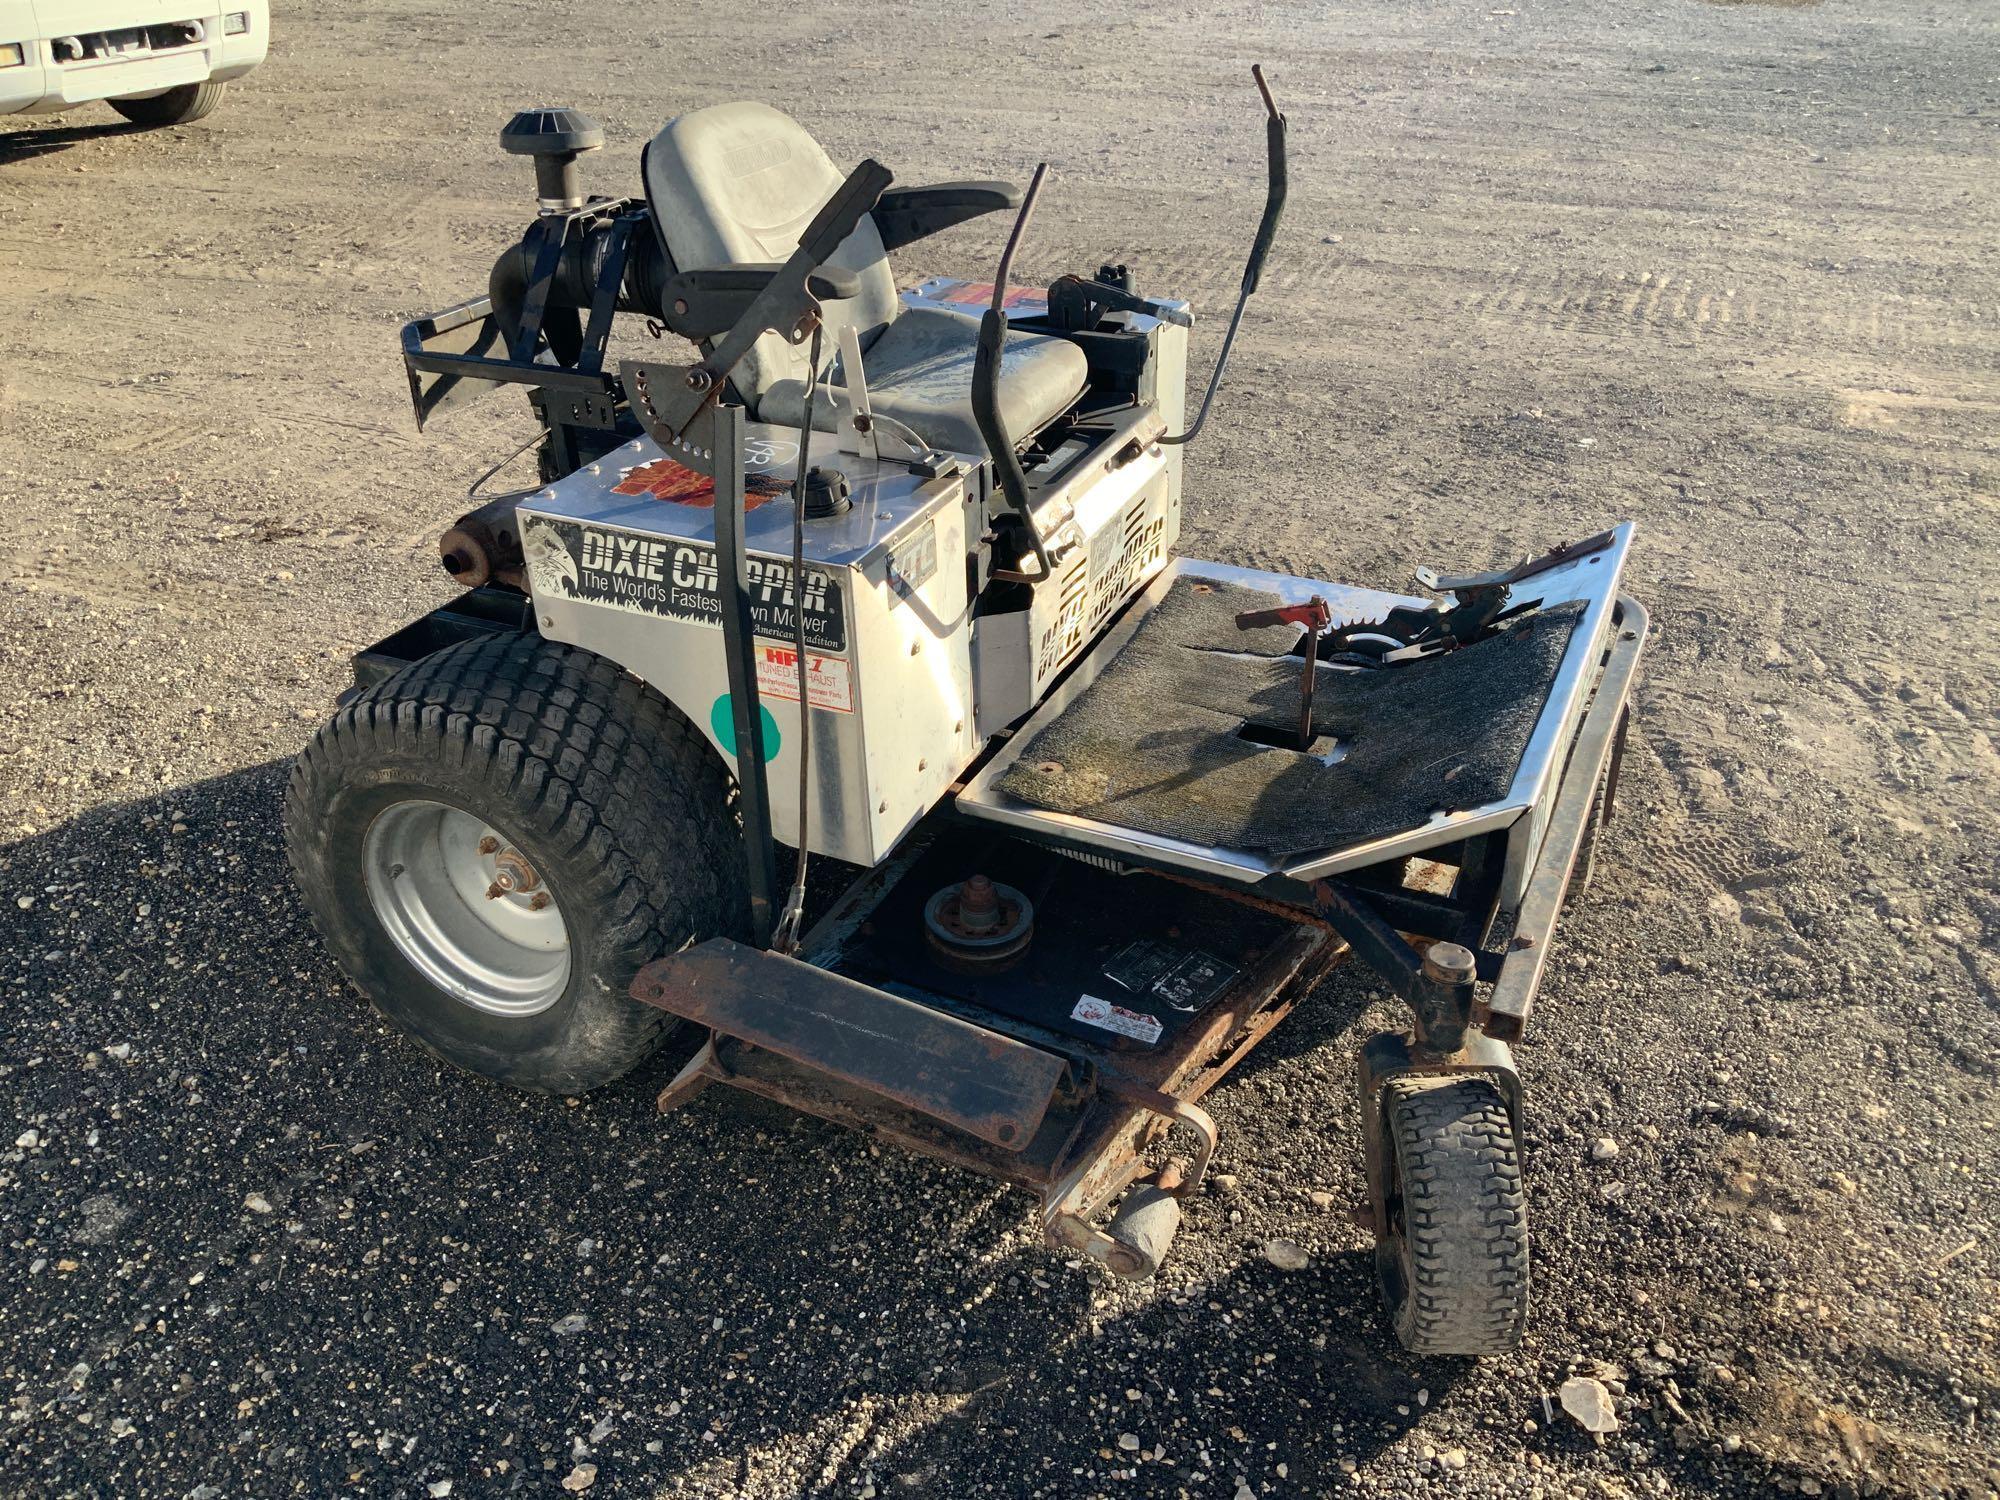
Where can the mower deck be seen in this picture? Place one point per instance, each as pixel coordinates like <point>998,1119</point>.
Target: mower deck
<point>1055,1053</point>
<point>1053,1073</point>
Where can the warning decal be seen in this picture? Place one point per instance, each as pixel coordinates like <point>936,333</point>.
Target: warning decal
<point>829,679</point>
<point>664,479</point>
<point>960,293</point>
<point>674,578</point>
<point>1186,978</point>
<point>1133,1023</point>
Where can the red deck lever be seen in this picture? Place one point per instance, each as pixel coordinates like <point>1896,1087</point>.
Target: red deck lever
<point>1315,614</point>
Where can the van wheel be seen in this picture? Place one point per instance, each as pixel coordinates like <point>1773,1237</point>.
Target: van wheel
<point>179,106</point>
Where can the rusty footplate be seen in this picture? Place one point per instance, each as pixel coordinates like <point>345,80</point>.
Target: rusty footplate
<point>978,1081</point>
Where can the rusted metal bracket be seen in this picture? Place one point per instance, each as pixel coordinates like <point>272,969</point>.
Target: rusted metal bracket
<point>1439,990</point>
<point>1067,1207</point>
<point>988,1085</point>
<point>1177,1110</point>
<point>700,1070</point>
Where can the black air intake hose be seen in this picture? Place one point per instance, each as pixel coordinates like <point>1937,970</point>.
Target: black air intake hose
<point>581,267</point>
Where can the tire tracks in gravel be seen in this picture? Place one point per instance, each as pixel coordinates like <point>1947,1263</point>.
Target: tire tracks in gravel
<point>1668,302</point>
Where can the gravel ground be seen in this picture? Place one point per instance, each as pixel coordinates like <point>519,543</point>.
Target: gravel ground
<point>1724,269</point>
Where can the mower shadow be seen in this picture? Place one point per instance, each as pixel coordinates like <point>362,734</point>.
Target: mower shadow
<point>41,140</point>
<point>1220,1381</point>
<point>241,1167</point>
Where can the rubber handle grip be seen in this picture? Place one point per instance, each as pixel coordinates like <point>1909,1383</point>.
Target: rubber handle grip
<point>1274,200</point>
<point>993,429</point>
<point>835,222</point>
<point>986,409</point>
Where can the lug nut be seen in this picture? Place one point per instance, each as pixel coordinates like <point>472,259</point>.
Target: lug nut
<point>495,891</point>
<point>489,845</point>
<point>539,901</point>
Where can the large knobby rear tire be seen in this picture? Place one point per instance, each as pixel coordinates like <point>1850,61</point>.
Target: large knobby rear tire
<point>516,759</point>
<point>177,106</point>
<point>1453,1255</point>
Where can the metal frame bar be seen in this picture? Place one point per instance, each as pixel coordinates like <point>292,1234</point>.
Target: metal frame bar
<point>419,360</point>
<point>1442,1010</point>
<point>1506,1010</point>
<point>723,441</point>
<point>519,365</point>
<point>549,234</point>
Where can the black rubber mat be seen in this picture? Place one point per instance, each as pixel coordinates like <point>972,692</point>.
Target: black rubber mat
<point>1156,743</point>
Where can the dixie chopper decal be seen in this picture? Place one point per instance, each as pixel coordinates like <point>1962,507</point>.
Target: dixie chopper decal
<point>672,578</point>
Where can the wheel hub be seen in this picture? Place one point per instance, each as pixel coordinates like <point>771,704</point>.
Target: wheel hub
<point>468,910</point>
<point>512,873</point>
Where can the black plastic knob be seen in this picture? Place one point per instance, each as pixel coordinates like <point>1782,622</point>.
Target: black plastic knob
<point>551,132</point>
<point>826,494</point>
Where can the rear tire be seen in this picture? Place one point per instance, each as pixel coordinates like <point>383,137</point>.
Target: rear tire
<point>588,786</point>
<point>177,106</point>
<point>1453,1252</point>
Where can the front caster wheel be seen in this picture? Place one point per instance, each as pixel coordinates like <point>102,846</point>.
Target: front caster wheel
<point>494,840</point>
<point>1452,1248</point>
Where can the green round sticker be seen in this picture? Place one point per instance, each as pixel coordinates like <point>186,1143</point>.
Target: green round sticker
<point>722,719</point>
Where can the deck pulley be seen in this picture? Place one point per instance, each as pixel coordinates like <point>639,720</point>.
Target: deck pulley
<point>979,924</point>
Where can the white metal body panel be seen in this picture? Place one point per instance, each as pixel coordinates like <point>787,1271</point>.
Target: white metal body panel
<point>41,84</point>
<point>631,576</point>
<point>1123,527</point>
<point>908,686</point>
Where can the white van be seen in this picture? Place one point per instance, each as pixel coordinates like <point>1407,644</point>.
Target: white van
<point>157,62</point>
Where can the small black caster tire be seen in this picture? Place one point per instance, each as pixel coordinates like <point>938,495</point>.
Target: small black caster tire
<point>493,841</point>
<point>1452,1251</point>
<point>178,106</point>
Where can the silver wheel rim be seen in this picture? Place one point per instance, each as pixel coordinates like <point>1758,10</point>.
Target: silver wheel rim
<point>466,909</point>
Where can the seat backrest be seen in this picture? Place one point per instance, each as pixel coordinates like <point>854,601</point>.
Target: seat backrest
<point>738,183</point>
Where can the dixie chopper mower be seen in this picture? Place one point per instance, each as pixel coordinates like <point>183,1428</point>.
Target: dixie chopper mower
<point>888,576</point>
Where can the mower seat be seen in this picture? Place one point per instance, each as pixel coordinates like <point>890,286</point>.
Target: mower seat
<point>736,184</point>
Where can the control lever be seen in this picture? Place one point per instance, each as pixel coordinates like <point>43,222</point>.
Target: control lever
<point>863,430</point>
<point>1074,299</point>
<point>1315,614</point>
<point>1267,229</point>
<point>986,395</point>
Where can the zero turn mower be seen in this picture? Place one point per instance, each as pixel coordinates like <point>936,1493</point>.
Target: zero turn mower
<point>888,577</point>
